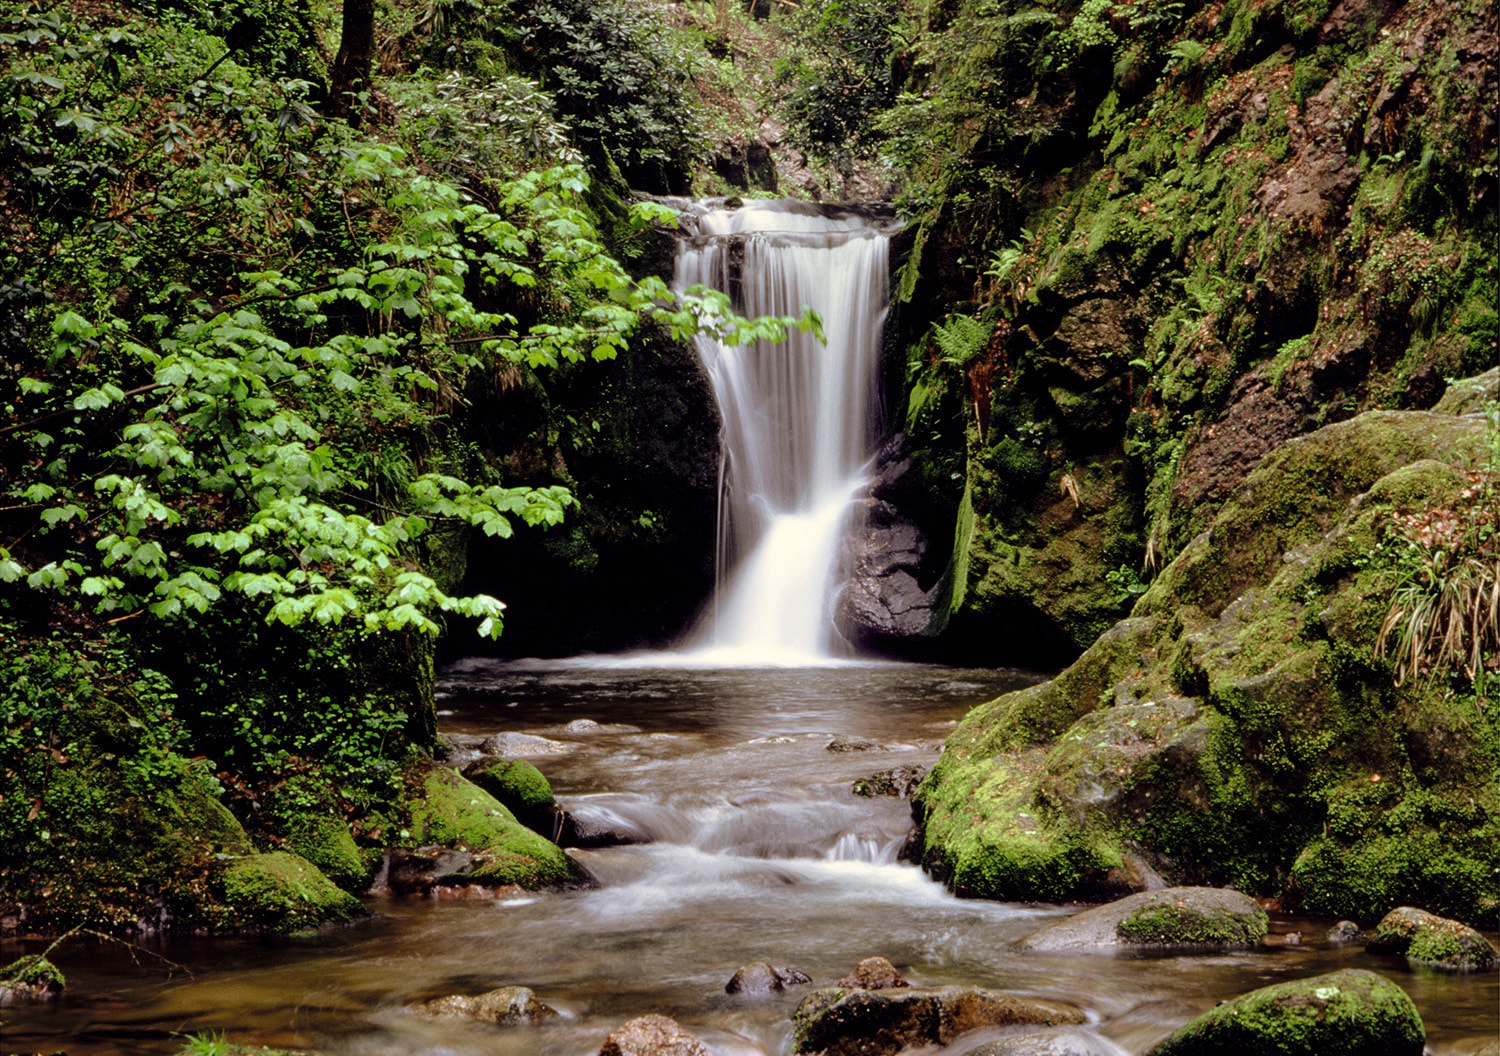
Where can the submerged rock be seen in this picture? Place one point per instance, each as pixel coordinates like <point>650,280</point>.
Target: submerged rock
<point>652,1035</point>
<point>873,973</point>
<point>507,1006</point>
<point>758,979</point>
<point>1065,1041</point>
<point>899,781</point>
<point>1175,916</point>
<point>1346,1013</point>
<point>513,744</point>
<point>1437,942</point>
<point>840,1022</point>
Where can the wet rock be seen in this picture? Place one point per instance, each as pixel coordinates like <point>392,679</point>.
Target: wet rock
<point>523,744</point>
<point>846,743</point>
<point>758,979</point>
<point>899,781</point>
<point>599,828</point>
<point>840,1022</point>
<point>652,1035</point>
<point>30,979</point>
<point>1344,931</point>
<point>507,1006</point>
<point>416,871</point>
<point>1210,917</point>
<point>1066,1041</point>
<point>1351,1012</point>
<point>873,973</point>
<point>1428,939</point>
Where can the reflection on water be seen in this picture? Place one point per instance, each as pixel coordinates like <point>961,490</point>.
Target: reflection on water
<point>758,852</point>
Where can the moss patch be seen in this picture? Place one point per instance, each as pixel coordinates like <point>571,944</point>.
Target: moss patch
<point>282,891</point>
<point>327,842</point>
<point>455,812</point>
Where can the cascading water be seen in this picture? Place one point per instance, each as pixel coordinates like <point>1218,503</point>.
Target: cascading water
<point>797,418</point>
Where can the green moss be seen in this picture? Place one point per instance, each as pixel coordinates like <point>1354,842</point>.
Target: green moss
<point>456,812</point>
<point>1168,924</point>
<point>33,971</point>
<point>327,842</point>
<point>281,891</point>
<point>1347,1013</point>
<point>515,782</point>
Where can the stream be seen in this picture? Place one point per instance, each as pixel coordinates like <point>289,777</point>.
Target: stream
<point>758,851</point>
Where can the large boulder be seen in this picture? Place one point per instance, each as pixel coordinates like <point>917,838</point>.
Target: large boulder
<point>652,1035</point>
<point>1346,1013</point>
<point>1425,938</point>
<point>1208,917</point>
<point>1239,729</point>
<point>841,1022</point>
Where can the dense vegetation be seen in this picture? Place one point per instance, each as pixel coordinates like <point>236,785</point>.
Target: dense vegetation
<point>276,361</point>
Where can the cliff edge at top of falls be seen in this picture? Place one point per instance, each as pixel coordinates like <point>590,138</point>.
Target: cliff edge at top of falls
<point>1239,728</point>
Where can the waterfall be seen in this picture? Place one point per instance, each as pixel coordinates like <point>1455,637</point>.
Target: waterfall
<point>797,431</point>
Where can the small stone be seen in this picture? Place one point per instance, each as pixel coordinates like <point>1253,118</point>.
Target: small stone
<point>506,1006</point>
<point>759,979</point>
<point>873,973</point>
<point>846,743</point>
<point>652,1035</point>
<point>1344,931</point>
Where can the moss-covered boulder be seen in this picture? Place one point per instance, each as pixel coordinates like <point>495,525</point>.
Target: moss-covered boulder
<point>327,842</point>
<point>857,1022</point>
<point>1346,1013</point>
<point>454,812</point>
<point>1437,942</point>
<point>280,892</point>
<point>1182,917</point>
<point>1240,728</point>
<point>30,978</point>
<point>519,785</point>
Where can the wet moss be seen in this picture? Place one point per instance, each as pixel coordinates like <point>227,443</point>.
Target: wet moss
<point>281,892</point>
<point>1346,1013</point>
<point>455,812</point>
<point>327,842</point>
<point>1168,924</point>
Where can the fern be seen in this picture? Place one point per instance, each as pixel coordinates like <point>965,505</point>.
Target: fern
<point>960,338</point>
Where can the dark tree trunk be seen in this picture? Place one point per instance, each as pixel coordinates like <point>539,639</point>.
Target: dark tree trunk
<point>351,67</point>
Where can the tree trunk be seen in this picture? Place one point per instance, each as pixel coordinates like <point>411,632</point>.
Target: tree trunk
<point>351,67</point>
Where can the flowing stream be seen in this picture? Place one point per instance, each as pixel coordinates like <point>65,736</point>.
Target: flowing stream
<point>797,429</point>
<point>759,852</point>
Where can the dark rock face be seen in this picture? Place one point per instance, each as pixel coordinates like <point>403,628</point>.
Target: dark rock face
<point>1437,942</point>
<point>1208,917</point>
<point>840,1022</point>
<point>652,1036</point>
<point>1348,1013</point>
<point>892,597</point>
<point>874,973</point>
<point>508,1006</point>
<point>756,980</point>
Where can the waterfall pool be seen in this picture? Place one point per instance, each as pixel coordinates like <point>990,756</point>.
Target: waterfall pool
<point>759,851</point>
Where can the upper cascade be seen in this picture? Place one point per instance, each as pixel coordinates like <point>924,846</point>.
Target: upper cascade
<point>798,416</point>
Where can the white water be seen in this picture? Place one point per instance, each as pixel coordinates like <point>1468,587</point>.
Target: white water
<point>797,431</point>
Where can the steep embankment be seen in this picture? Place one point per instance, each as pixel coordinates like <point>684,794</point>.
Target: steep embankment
<point>1159,242</point>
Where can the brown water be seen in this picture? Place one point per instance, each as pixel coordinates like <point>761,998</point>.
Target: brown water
<point>760,852</point>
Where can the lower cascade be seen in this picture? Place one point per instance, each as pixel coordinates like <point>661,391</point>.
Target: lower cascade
<point>798,417</point>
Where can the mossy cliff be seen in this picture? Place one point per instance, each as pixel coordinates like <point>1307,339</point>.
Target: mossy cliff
<point>1238,727</point>
<point>1156,242</point>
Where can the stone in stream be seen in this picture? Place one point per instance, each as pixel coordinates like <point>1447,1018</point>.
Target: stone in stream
<point>652,1035</point>
<point>1063,1041</point>
<point>513,744</point>
<point>837,1022</point>
<point>899,781</point>
<point>755,980</point>
<point>28,979</point>
<point>1345,931</point>
<point>1352,1012</point>
<point>507,1006</point>
<point>1434,941</point>
<point>1208,917</point>
<point>873,973</point>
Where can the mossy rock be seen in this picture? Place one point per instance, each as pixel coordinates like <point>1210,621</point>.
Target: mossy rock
<point>1346,1013</point>
<point>1177,917</point>
<point>1470,395</point>
<point>30,978</point>
<point>1436,942</point>
<point>457,813</point>
<point>519,785</point>
<point>281,892</point>
<point>327,842</point>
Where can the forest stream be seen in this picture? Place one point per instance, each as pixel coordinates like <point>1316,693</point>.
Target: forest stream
<point>754,848</point>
